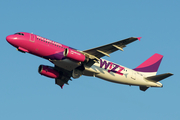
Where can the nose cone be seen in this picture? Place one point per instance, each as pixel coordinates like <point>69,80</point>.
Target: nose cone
<point>10,38</point>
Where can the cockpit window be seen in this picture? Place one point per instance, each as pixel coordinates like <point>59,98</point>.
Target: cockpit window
<point>19,34</point>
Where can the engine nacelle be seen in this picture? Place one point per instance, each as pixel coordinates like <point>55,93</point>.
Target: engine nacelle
<point>48,71</point>
<point>75,55</point>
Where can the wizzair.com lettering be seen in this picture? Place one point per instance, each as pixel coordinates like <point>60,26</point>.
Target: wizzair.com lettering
<point>47,40</point>
<point>111,67</point>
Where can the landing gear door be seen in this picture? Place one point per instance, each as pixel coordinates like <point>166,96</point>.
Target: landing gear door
<point>32,38</point>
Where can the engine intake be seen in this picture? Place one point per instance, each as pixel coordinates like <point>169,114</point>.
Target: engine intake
<point>48,71</point>
<point>75,55</point>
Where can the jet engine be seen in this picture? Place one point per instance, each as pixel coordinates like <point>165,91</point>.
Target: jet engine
<point>48,71</point>
<point>75,55</point>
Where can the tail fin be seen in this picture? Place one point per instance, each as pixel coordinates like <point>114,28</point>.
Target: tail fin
<point>151,65</point>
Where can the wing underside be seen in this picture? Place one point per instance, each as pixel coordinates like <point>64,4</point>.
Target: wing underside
<point>64,76</point>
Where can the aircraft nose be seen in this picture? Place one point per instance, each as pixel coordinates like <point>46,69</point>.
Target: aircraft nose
<point>10,38</point>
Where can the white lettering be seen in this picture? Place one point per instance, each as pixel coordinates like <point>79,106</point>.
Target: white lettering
<point>50,41</point>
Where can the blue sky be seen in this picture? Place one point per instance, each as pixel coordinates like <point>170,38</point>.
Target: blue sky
<point>84,24</point>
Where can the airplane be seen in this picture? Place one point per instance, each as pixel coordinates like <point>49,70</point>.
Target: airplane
<point>72,63</point>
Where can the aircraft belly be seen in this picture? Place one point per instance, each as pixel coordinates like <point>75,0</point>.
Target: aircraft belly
<point>117,78</point>
<point>124,80</point>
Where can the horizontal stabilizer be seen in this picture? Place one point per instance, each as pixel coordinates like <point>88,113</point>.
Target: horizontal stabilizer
<point>143,88</point>
<point>157,78</point>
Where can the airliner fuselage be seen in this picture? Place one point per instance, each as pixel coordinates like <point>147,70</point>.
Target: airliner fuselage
<point>69,62</point>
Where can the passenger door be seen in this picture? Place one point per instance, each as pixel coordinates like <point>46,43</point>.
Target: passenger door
<point>32,38</point>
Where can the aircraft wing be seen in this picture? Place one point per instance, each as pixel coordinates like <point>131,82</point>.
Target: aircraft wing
<point>105,50</point>
<point>64,78</point>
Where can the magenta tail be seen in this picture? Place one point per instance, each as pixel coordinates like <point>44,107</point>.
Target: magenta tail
<point>151,64</point>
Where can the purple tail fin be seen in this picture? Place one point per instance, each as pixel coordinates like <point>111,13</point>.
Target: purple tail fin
<point>151,64</point>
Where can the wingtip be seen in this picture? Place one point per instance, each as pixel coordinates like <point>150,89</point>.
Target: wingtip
<point>139,38</point>
<point>170,74</point>
<point>62,87</point>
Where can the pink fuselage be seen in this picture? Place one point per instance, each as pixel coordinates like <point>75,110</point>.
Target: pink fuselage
<point>37,45</point>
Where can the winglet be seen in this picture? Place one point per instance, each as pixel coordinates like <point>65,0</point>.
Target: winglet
<point>60,83</point>
<point>62,87</point>
<point>139,38</point>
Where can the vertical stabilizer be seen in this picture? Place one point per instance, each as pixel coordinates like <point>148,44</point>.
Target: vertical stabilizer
<point>151,65</point>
